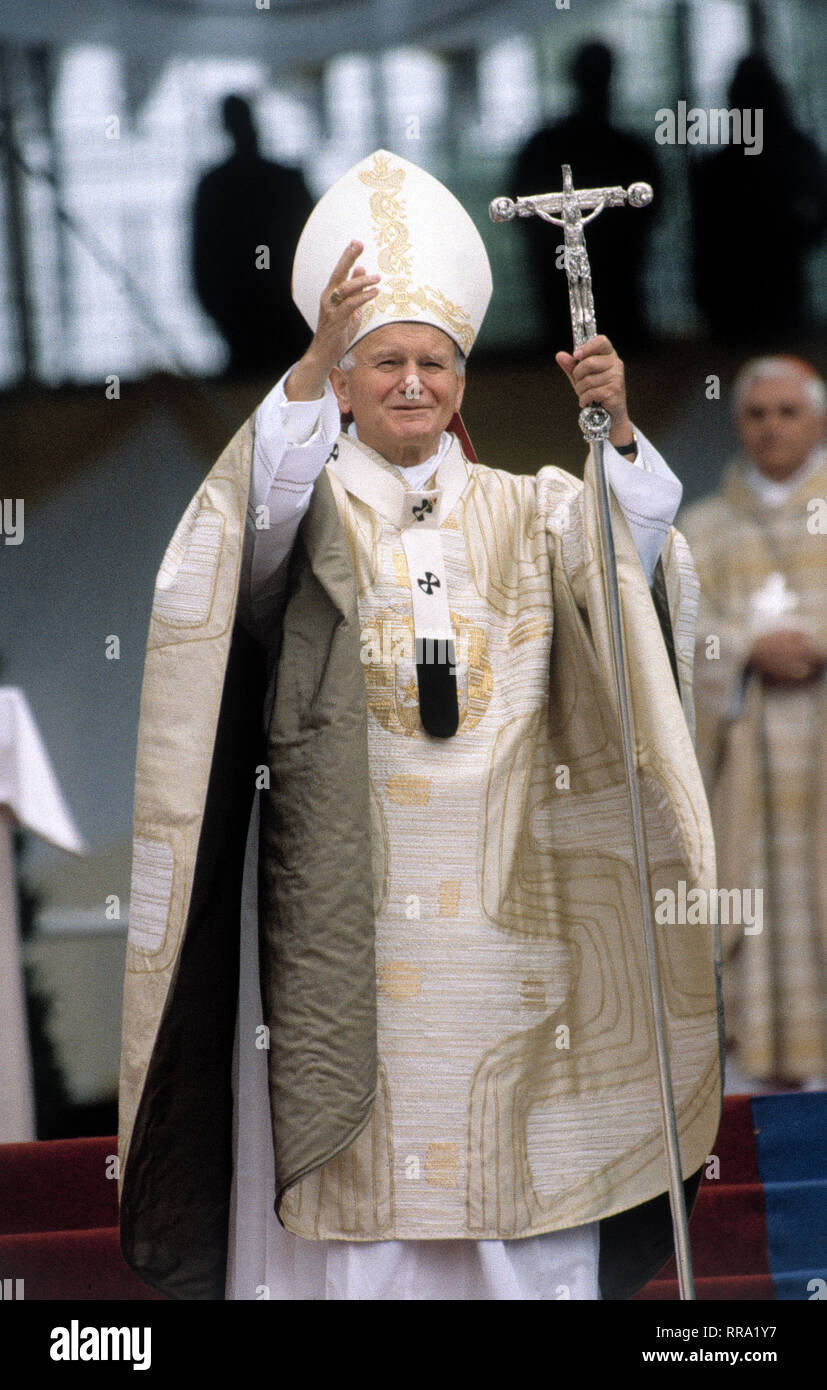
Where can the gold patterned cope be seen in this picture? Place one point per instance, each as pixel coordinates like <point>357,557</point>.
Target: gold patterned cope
<point>517,1081</point>
<point>389,217</point>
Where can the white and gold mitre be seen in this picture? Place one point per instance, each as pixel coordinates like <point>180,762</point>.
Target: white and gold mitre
<point>431,258</point>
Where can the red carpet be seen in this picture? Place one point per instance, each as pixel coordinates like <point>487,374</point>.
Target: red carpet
<point>58,1221</point>
<point>58,1211</point>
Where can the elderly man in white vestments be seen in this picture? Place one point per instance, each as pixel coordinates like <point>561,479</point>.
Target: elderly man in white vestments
<point>503,1113</point>
<point>760,544</point>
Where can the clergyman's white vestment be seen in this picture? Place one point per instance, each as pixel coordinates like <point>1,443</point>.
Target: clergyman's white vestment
<point>293,441</point>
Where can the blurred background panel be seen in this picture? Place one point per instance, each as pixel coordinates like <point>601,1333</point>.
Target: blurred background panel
<point>106,140</point>
<point>126,174</point>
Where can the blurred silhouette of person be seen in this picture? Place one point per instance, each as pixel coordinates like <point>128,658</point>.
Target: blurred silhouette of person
<point>599,155</point>
<point>756,219</point>
<point>761,704</point>
<point>241,206</point>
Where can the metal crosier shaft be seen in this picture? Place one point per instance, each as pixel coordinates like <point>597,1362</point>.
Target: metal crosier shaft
<point>595,423</point>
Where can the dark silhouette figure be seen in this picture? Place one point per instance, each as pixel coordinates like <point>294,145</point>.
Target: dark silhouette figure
<point>599,155</point>
<point>756,219</point>
<point>241,206</point>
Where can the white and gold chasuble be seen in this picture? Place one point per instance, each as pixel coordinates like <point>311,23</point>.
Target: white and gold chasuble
<point>480,1127</point>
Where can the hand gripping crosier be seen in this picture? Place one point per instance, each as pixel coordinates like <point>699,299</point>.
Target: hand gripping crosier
<point>595,423</point>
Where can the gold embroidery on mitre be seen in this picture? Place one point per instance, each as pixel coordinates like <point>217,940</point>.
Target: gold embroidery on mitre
<point>399,297</point>
<point>399,980</point>
<point>453,315</point>
<point>442,1165</point>
<point>390,229</point>
<point>390,672</point>
<point>388,212</point>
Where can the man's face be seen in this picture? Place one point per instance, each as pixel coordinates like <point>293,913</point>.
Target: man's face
<point>778,425</point>
<point>402,391</point>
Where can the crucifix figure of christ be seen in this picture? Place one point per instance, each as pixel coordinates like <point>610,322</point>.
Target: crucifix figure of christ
<point>570,205</point>
<point>566,209</point>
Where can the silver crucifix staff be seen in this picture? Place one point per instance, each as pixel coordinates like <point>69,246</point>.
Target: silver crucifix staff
<point>595,423</point>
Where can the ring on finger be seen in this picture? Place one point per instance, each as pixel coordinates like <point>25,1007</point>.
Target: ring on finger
<point>336,297</point>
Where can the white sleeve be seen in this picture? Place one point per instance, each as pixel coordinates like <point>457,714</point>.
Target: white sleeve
<point>649,495</point>
<point>293,440</point>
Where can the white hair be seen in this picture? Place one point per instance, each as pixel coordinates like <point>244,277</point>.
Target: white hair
<point>765,368</point>
<point>348,362</point>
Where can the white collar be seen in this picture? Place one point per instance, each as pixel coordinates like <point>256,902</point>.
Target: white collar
<point>417,473</point>
<point>365,474</point>
<point>774,494</point>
